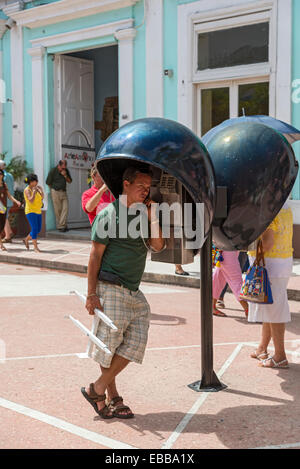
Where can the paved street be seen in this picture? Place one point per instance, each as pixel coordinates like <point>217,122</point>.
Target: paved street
<point>44,365</point>
<point>70,252</point>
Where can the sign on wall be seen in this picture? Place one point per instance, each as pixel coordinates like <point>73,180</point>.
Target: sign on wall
<point>78,157</point>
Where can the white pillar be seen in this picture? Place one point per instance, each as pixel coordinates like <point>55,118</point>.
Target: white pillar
<point>37,55</point>
<point>284,66</point>
<point>125,38</point>
<point>17,90</point>
<point>2,31</point>
<point>1,106</point>
<point>154,58</point>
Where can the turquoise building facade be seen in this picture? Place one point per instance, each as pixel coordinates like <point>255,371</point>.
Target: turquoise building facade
<point>159,57</point>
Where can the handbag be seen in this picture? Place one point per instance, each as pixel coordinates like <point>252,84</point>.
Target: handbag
<point>217,256</point>
<point>256,287</point>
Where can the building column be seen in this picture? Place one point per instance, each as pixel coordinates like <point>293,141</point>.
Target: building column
<point>37,55</point>
<point>154,59</point>
<point>17,79</point>
<point>17,90</point>
<point>125,39</point>
<point>2,84</point>
<point>284,58</point>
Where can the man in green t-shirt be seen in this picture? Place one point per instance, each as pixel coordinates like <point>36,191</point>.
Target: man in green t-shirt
<point>119,253</point>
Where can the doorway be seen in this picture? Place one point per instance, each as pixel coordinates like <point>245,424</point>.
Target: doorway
<point>84,81</point>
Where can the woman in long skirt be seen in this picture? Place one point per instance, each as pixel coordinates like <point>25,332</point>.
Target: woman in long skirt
<point>278,254</point>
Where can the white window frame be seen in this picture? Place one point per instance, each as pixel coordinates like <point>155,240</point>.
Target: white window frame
<point>233,86</point>
<point>235,12</point>
<point>237,71</point>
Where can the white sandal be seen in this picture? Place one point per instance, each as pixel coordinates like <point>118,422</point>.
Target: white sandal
<point>259,356</point>
<point>275,364</point>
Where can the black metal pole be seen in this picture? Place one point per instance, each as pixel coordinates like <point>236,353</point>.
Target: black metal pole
<point>209,382</point>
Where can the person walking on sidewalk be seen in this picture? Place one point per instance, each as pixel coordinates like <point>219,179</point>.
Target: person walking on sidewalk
<point>97,197</point>
<point>229,271</point>
<point>4,195</point>
<point>9,181</point>
<point>33,195</point>
<point>244,264</point>
<point>121,261</point>
<point>57,180</point>
<point>278,254</point>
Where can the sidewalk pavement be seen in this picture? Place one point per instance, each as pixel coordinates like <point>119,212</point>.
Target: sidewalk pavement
<point>70,252</point>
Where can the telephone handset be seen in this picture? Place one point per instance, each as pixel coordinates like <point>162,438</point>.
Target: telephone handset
<point>165,189</point>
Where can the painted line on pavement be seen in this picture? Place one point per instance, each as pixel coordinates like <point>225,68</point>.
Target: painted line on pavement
<point>284,446</point>
<point>186,419</point>
<point>174,347</point>
<point>84,354</point>
<point>150,349</point>
<point>66,426</point>
<point>288,352</point>
<point>43,356</point>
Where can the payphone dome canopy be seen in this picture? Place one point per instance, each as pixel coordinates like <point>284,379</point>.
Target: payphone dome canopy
<point>167,145</point>
<point>259,168</point>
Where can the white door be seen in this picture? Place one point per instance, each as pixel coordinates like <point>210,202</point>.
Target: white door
<point>75,116</point>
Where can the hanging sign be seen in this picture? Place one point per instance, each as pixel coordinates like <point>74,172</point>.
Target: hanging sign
<point>78,157</point>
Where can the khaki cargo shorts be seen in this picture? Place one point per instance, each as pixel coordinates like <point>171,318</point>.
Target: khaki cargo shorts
<point>130,312</point>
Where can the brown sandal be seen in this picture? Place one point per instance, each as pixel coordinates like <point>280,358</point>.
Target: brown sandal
<point>93,398</point>
<point>117,410</point>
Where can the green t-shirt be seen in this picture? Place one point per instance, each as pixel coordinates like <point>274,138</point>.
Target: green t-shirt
<point>56,180</point>
<point>124,255</point>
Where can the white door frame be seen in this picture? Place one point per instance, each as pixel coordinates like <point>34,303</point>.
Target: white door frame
<point>124,33</point>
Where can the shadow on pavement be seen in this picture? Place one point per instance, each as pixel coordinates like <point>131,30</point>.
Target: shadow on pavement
<point>246,426</point>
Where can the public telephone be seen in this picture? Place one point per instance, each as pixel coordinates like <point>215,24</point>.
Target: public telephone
<point>182,174</point>
<point>167,189</point>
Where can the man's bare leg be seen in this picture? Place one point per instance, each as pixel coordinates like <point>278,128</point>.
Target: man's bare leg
<point>112,392</point>
<point>107,377</point>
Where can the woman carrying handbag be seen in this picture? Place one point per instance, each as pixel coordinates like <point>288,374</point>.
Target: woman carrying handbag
<point>278,255</point>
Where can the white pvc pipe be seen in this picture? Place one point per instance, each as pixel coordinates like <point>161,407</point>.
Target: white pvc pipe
<point>90,335</point>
